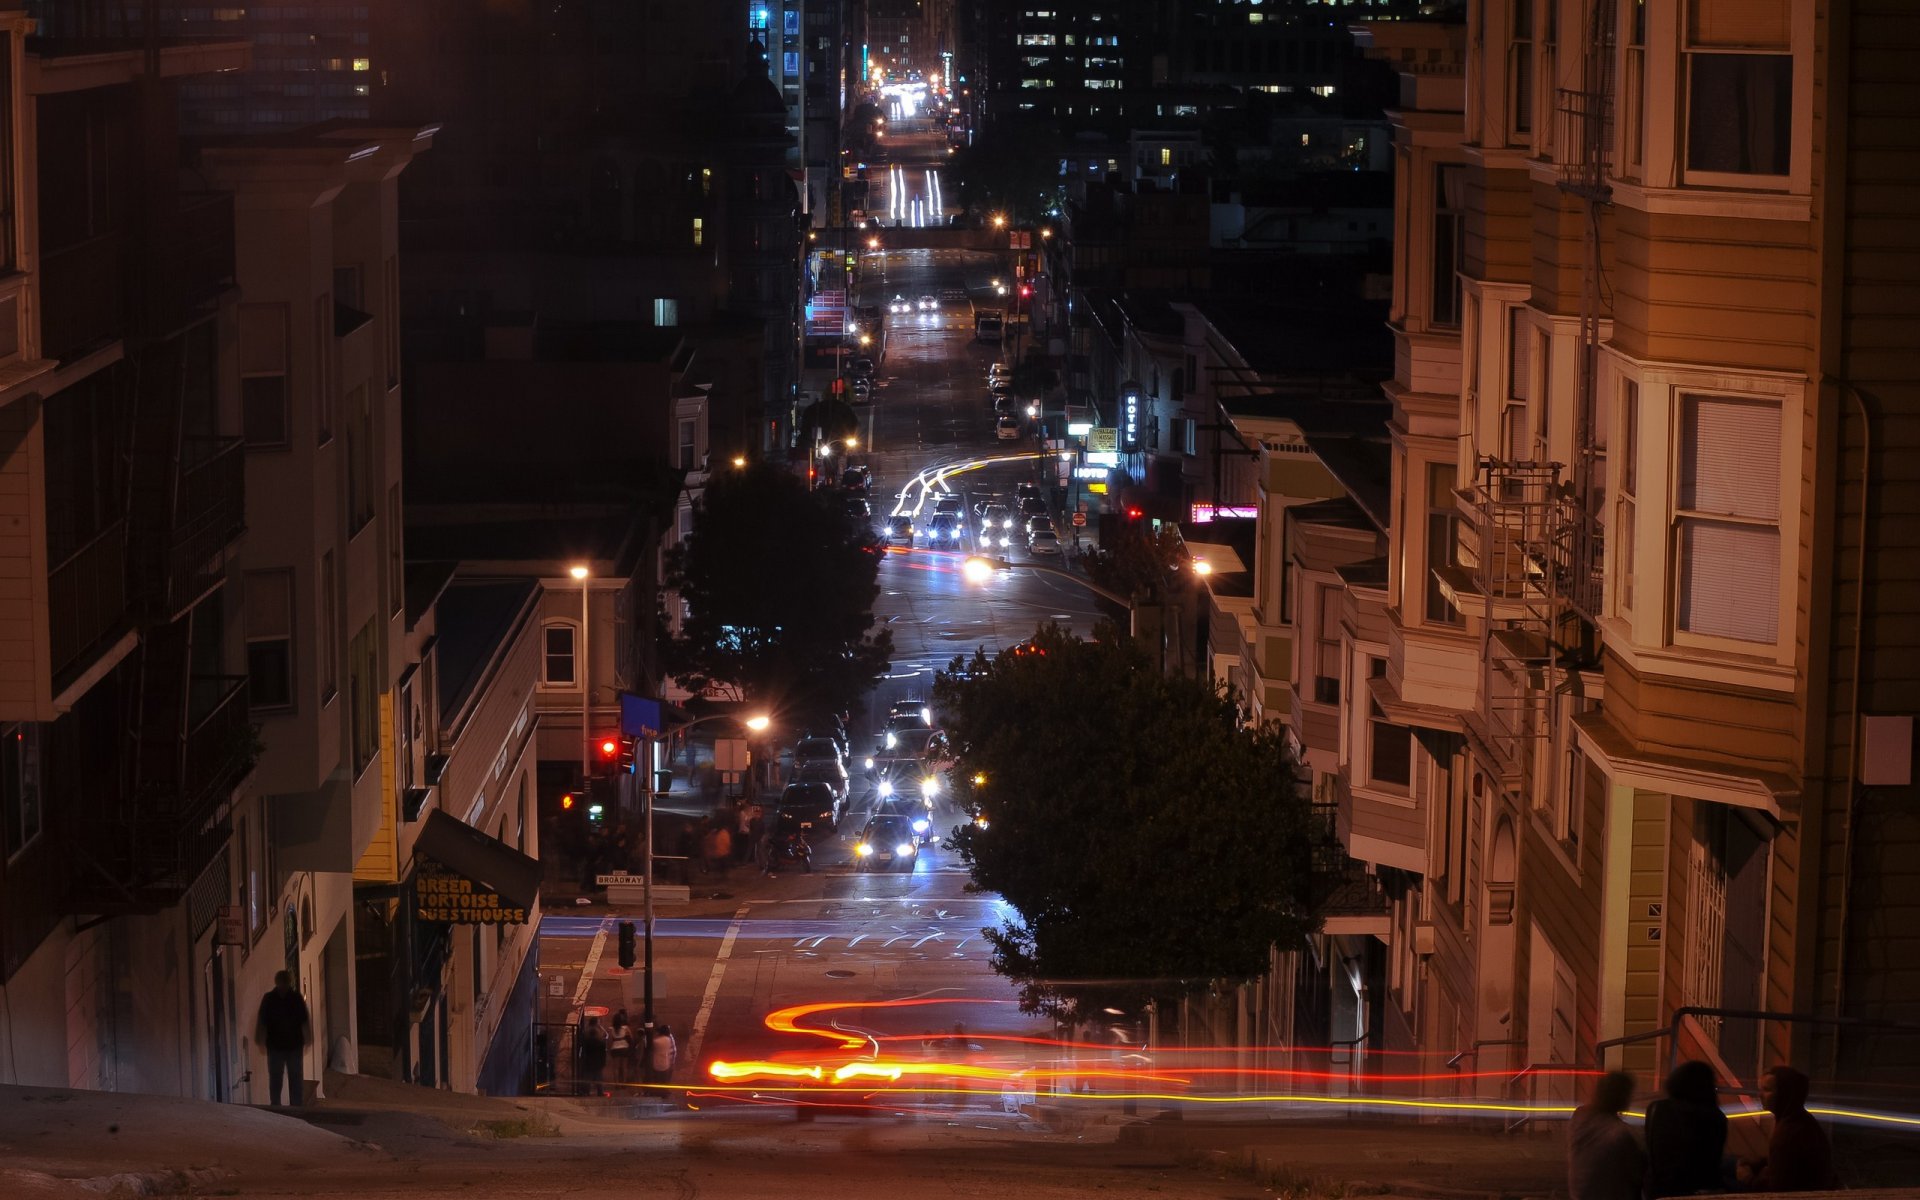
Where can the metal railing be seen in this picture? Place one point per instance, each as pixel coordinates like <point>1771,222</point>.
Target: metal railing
<point>1681,1015</point>
<point>209,515</point>
<point>87,596</point>
<point>82,294</point>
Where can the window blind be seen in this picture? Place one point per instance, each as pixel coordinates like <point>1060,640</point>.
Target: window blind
<point>1729,583</point>
<point>1730,457</point>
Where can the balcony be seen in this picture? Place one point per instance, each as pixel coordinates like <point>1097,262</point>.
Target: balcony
<point>1342,892</point>
<point>83,299</point>
<point>149,847</point>
<point>87,599</point>
<point>209,516</point>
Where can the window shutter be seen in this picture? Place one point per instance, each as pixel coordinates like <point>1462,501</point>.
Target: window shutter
<point>1743,23</point>
<point>1730,457</point>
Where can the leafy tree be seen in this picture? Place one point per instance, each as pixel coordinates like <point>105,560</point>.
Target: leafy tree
<point>1146,844</point>
<point>779,582</point>
<point>1003,172</point>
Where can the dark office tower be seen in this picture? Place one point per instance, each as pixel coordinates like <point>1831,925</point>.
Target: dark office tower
<point>313,60</point>
<point>896,38</point>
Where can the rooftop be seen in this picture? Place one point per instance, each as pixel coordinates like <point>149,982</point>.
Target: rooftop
<point>472,622</point>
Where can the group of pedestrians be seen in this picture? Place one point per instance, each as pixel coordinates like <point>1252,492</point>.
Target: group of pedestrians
<point>1685,1148</point>
<point>647,1056</point>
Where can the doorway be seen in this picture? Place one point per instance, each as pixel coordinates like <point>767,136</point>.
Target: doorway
<point>216,1006</point>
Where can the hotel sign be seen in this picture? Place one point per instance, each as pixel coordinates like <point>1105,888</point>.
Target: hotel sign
<point>1130,405</point>
<point>1103,439</point>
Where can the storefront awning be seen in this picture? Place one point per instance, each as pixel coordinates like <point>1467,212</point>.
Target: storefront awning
<point>464,877</point>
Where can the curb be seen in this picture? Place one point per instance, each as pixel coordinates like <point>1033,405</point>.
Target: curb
<point>1264,1163</point>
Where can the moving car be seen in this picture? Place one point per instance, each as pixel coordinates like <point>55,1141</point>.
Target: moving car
<point>900,530</point>
<point>1026,491</point>
<point>948,503</point>
<point>908,782</point>
<point>996,526</point>
<point>899,305</point>
<point>1046,542</point>
<point>1032,506</point>
<point>928,304</point>
<point>917,818</point>
<point>943,531</point>
<point>859,509</point>
<point>862,389</point>
<point>860,368</point>
<point>888,841</point>
<point>1007,428</point>
<point>912,706</point>
<point>1036,524</point>
<point>996,371</point>
<point>857,479</point>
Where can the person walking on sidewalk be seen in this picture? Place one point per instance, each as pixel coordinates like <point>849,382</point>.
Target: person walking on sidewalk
<point>284,1029</point>
<point>593,1053</point>
<point>746,821</point>
<point>1686,1135</point>
<point>1604,1159</point>
<point>621,1049</point>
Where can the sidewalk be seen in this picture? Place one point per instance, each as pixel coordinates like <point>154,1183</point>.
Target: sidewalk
<point>1401,1158</point>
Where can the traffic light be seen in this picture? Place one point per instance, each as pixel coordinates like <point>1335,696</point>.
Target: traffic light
<point>1134,513</point>
<point>1026,289</point>
<point>613,753</point>
<point>626,944</point>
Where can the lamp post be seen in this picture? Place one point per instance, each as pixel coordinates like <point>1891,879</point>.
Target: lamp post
<point>584,670</point>
<point>757,724</point>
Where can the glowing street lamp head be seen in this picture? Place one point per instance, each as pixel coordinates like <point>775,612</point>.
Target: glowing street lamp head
<point>1202,567</point>
<point>999,221</point>
<point>740,460</point>
<point>579,571</point>
<point>873,243</point>
<point>759,724</point>
<point>976,570</point>
<point>853,443</point>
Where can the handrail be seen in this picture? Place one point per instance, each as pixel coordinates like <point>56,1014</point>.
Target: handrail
<point>1453,1064</point>
<point>1680,1014</point>
<point>1529,1071</point>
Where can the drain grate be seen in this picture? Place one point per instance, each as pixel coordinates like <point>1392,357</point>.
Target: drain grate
<point>838,974</point>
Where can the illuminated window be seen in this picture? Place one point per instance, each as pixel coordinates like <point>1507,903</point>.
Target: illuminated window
<point>1166,156</point>
<point>699,231</point>
<point>363,64</point>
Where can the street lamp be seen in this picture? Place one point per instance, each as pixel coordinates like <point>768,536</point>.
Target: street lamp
<point>583,669</point>
<point>999,221</point>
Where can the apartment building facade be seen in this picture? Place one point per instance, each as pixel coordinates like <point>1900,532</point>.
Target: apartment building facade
<point>1604,695</point>
<point>130,887</point>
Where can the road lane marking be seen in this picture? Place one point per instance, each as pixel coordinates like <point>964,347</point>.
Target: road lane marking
<point>590,966</point>
<point>713,985</point>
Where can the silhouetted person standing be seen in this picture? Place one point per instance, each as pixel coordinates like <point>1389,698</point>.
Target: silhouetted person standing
<point>1604,1159</point>
<point>284,1029</point>
<point>1686,1135</point>
<point>1799,1159</point>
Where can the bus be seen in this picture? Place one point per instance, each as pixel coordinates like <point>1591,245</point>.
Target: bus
<point>989,325</point>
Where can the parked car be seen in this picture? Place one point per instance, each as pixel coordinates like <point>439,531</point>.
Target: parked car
<point>1032,506</point>
<point>1026,491</point>
<point>812,803</point>
<point>860,368</point>
<point>1037,524</point>
<point>857,479</point>
<point>1045,543</point>
<point>809,749</point>
<point>859,509</point>
<point>862,389</point>
<point>1007,428</point>
<point>827,771</point>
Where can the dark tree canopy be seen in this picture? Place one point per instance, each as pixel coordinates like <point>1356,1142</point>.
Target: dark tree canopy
<point>779,581</point>
<point>1147,846</point>
<point>1002,172</point>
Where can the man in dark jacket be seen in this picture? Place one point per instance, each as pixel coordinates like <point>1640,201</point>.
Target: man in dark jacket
<point>1686,1135</point>
<point>284,1030</point>
<point>1798,1156</point>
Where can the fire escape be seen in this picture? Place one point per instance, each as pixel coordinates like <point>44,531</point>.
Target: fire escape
<point>1536,562</point>
<point>152,787</point>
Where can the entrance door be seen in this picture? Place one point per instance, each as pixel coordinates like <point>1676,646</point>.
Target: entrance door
<point>1743,962</point>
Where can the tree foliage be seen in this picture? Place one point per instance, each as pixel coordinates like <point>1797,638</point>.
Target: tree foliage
<point>1003,173</point>
<point>1146,845</point>
<point>779,582</point>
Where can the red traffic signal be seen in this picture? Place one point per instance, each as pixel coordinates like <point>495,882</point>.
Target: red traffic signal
<point>1026,290</point>
<point>1134,513</point>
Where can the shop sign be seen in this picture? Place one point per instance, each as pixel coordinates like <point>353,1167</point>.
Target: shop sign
<point>1102,458</point>
<point>1091,472</point>
<point>1103,439</point>
<point>442,895</point>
